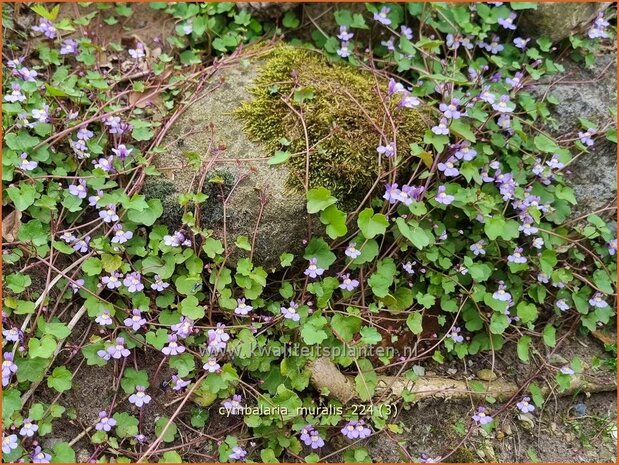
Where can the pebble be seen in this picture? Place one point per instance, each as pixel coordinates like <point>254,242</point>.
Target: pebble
<point>486,375</point>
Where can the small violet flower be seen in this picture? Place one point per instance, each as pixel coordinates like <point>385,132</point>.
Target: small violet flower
<point>139,398</point>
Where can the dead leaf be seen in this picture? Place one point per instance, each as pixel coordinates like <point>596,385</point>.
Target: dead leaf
<point>149,97</point>
<point>10,226</point>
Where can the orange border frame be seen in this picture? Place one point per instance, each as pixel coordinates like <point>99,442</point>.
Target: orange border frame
<point>310,1</point>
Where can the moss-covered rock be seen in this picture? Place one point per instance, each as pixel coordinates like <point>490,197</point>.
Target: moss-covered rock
<point>223,142</point>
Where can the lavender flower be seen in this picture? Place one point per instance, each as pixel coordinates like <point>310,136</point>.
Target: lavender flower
<point>494,46</point>
<point>305,433</point>
<point>112,281</point>
<point>15,95</point>
<point>451,110</point>
<point>585,137</point>
<point>521,43</point>
<point>120,236</point>
<point>159,285</point>
<point>184,327</point>
<point>315,441</point>
<point>598,30</point>
<point>612,247</point>
<point>238,453</point>
<point>290,312</point>
<point>11,335</point>
<point>84,133</point>
<point>348,283</point>
<point>351,251</point>
<point>79,190</point>
<point>27,74</point>
<point>139,398</point>
<point>41,115</point>
<point>105,164</point>
<point>242,308</point>
<point>478,248</point>
<point>178,383</point>
<point>104,319</point>
<point>313,270</point>
<point>28,428</point>
<point>38,456</point>
<point>382,17</point>
<point>173,347</point>
<point>46,28</point>
<point>81,245</point>
<point>481,417</point>
<point>344,51</point>
<point>8,368</point>
<point>122,152</point>
<point>442,197</point>
<point>562,305</point>
<point>503,105</point>
<point>465,152</point>
<point>211,365</point>
<point>409,101</point>
<point>538,243</point>
<point>344,34</point>
<point>25,164</point>
<point>395,87</point>
<point>554,163</point>
<point>508,23</point>
<point>598,301</point>
<point>105,423</point>
<point>108,214</point>
<point>137,52</point>
<point>233,405</point>
<point>389,44</point>
<point>516,81</point>
<point>524,406</point>
<point>406,32</point>
<point>69,47</point>
<point>516,256</point>
<point>175,240</point>
<point>441,128</point>
<point>448,167</point>
<point>9,443</point>
<point>392,193</point>
<point>133,282</point>
<point>386,150</point>
<point>408,267</point>
<point>135,321</point>
<point>566,370</point>
<point>356,430</point>
<point>455,334</point>
<point>502,294</point>
<point>118,349</point>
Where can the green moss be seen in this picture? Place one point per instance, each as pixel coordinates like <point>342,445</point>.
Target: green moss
<point>340,119</point>
<point>464,455</point>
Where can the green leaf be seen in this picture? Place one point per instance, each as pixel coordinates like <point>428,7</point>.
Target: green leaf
<point>498,323</point>
<point>523,348</point>
<point>335,219</point>
<point>381,280</point>
<point>319,249</point>
<point>370,335</point>
<point>279,157</point>
<point>126,425</point>
<point>170,431</point>
<point>92,266</point>
<point>62,452</point>
<point>549,335</point>
<point>148,216</point>
<point>319,199</point>
<point>22,196</point>
<point>42,348</point>
<point>171,456</point>
<point>462,129</point>
<point>414,322</point>
<point>545,144</point>
<point>345,326</point>
<point>372,224</point>
<point>536,395</point>
<point>526,312</point>
<point>366,380</point>
<point>60,379</point>
<point>416,235</point>
<point>132,378</point>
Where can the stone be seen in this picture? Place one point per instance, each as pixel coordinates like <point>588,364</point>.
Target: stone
<point>486,375</point>
<point>558,21</point>
<point>221,146</point>
<point>589,94</point>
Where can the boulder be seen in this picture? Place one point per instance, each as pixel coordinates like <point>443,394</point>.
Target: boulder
<point>221,146</point>
<point>558,20</point>
<point>589,94</point>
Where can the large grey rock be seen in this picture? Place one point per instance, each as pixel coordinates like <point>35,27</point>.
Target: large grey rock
<point>558,20</point>
<point>589,94</point>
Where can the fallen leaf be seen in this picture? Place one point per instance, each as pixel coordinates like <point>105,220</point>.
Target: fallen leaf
<point>10,225</point>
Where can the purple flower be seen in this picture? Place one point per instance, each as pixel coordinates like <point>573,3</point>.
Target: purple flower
<point>104,319</point>
<point>135,321</point>
<point>9,442</point>
<point>217,339</point>
<point>481,417</point>
<point>524,406</point>
<point>69,47</point>
<point>233,405</point>
<point>41,115</point>
<point>502,294</point>
<point>84,133</point>
<point>81,245</point>
<point>8,368</point>
<point>387,150</point>
<point>238,453</point>
<point>108,214</point>
<point>382,17</point>
<point>441,128</point>
<point>487,96</point>
<point>173,347</point>
<point>11,335</point>
<point>105,164</point>
<point>105,423</point>
<point>465,152</point>
<point>443,197</point>
<point>137,52</point>
<point>554,163</point>
<point>104,354</point>
<point>16,63</point>
<point>344,51</point>
<point>425,458</point>
<point>290,312</point>
<point>344,35</point>
<point>408,267</point>
<point>15,95</point>
<point>612,247</point>
<point>516,256</point>
<point>562,305</point>
<point>46,28</point>
<point>242,308</point>
<point>478,248</point>
<point>315,441</point>
<point>566,370</point>
<point>542,278</point>
<point>538,243</point>
<point>28,428</point>
<point>516,81</point>
<point>503,105</point>
<point>27,74</point>
<point>356,430</point>
<point>351,251</point>
<point>451,110</point>
<point>139,398</point>
<point>93,200</point>
<point>455,334</point>
<point>80,148</point>
<point>118,349</point>
<point>395,87</point>
<point>585,137</point>
<point>348,284</point>
<point>211,365</point>
<point>406,32</point>
<point>598,30</point>
<point>175,240</point>
<point>305,433</point>
<point>79,190</point>
<point>494,46</point>
<point>159,285</point>
<point>27,165</point>
<point>508,23</point>
<point>408,194</point>
<point>38,456</point>
<point>313,270</point>
<point>112,281</point>
<point>521,43</point>
<point>178,383</point>
<point>448,167</point>
<point>409,101</point>
<point>598,301</point>
<point>120,236</point>
<point>184,327</point>
<point>389,43</point>
<point>122,152</point>
<point>392,193</point>
<point>133,282</point>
